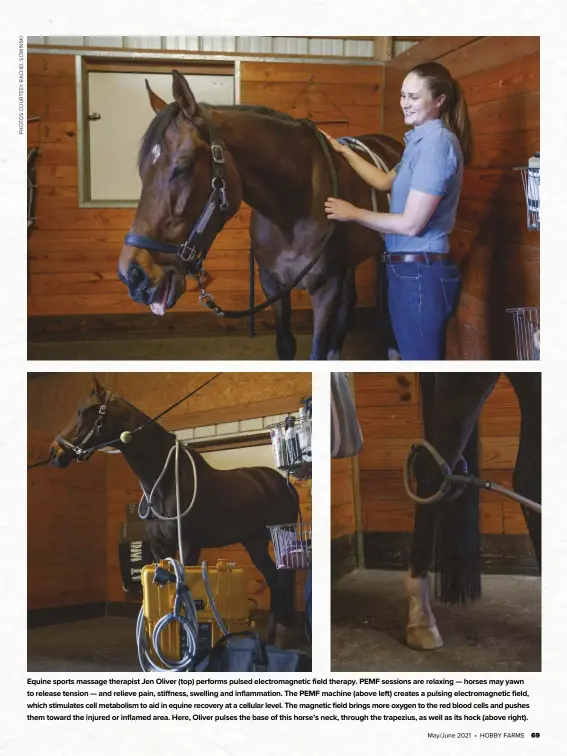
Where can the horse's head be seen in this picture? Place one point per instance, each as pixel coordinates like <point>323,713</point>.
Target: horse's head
<point>98,418</point>
<point>190,188</point>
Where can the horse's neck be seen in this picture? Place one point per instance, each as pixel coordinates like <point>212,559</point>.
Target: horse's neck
<point>147,452</point>
<point>278,163</point>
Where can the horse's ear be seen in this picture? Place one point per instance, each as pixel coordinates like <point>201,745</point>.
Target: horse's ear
<point>155,101</point>
<point>97,388</point>
<point>183,95</point>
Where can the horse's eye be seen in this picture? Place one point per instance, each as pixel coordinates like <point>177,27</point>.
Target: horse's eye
<point>178,171</point>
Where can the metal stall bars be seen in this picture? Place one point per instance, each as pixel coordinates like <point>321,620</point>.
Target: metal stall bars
<point>527,319</point>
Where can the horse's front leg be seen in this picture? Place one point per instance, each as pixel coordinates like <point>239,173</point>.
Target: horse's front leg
<point>326,302</point>
<point>346,307</point>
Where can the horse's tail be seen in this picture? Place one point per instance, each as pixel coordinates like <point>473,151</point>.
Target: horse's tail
<point>456,545</point>
<point>446,535</point>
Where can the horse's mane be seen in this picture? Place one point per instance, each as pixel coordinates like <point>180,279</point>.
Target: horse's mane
<point>157,128</point>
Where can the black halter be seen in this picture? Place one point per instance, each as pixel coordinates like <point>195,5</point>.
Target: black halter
<point>192,251</point>
<point>80,452</point>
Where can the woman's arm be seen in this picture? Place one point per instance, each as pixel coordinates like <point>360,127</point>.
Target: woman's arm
<point>368,172</point>
<point>417,212</point>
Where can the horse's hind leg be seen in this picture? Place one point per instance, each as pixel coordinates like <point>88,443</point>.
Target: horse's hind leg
<point>285,341</point>
<point>281,585</point>
<point>346,307</point>
<point>527,470</point>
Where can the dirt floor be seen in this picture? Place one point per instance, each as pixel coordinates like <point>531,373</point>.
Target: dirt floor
<point>500,633</point>
<point>105,644</point>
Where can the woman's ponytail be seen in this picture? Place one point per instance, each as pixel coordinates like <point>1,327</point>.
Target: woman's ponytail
<point>454,112</point>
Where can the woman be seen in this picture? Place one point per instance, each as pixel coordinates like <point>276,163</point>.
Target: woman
<point>423,284</point>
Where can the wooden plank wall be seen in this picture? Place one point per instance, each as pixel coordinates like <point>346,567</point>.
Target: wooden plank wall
<point>66,509</point>
<point>342,499</point>
<point>73,551</point>
<point>388,407</point>
<point>498,256</point>
<point>73,251</point>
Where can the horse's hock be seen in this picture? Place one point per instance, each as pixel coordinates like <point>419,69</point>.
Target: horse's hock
<point>377,531</point>
<point>77,307</point>
<point>95,582</point>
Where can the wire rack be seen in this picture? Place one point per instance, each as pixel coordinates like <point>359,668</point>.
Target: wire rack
<point>526,332</point>
<point>292,545</point>
<point>292,450</point>
<point>530,180</point>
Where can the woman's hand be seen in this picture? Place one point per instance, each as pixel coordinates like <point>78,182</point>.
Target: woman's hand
<point>336,145</point>
<point>340,210</point>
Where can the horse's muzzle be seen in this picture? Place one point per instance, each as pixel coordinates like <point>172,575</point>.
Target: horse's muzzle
<point>59,456</point>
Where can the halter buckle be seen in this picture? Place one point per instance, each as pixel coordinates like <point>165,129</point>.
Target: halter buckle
<point>186,252</point>
<point>217,153</point>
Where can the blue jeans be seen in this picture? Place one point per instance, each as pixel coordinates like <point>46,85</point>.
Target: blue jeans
<point>421,299</point>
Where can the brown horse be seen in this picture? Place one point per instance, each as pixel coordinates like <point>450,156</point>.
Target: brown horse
<point>446,535</point>
<point>197,163</point>
<point>229,506</point>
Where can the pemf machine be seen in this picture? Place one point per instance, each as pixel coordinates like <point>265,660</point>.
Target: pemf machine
<point>186,611</point>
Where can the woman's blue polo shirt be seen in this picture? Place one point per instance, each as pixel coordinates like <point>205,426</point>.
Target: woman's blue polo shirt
<point>432,163</point>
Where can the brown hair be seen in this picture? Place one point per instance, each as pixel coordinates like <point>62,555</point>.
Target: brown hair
<point>454,112</point>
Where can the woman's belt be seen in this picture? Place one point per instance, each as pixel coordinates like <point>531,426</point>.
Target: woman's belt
<point>415,257</point>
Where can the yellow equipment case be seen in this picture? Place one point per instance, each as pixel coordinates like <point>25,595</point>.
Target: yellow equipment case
<point>229,588</point>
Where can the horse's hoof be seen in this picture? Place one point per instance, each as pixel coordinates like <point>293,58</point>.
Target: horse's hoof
<point>423,638</point>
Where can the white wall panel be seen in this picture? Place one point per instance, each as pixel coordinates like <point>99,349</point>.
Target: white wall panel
<point>104,41</point>
<point>143,43</point>
<point>255,44</point>
<point>341,47</point>
<point>326,46</point>
<point>218,44</point>
<point>248,456</point>
<point>122,102</point>
<point>359,48</point>
<point>71,41</point>
<point>291,45</point>
<point>401,46</point>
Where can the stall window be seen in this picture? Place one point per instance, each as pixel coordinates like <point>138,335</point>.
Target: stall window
<point>115,113</point>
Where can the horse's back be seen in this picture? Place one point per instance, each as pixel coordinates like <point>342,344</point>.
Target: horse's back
<point>265,491</point>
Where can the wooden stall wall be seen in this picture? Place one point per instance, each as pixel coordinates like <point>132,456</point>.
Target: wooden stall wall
<point>389,411</point>
<point>498,256</point>
<point>343,520</point>
<point>72,282</point>
<point>66,509</point>
<point>230,397</point>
